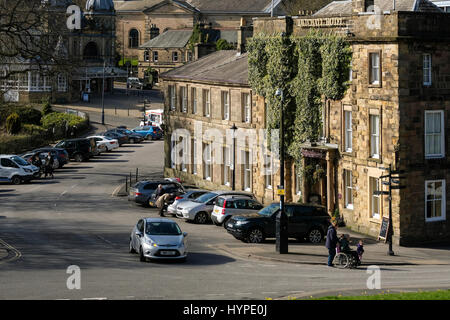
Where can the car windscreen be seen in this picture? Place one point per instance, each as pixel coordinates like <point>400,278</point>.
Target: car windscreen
<point>205,197</point>
<point>270,210</point>
<point>162,229</point>
<point>19,161</point>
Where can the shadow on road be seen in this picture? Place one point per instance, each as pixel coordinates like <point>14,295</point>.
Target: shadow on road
<point>7,190</point>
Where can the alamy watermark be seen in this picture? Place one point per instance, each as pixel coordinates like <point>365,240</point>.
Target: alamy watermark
<point>374,280</point>
<point>74,280</point>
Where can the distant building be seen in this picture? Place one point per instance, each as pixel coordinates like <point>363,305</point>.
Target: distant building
<point>139,21</point>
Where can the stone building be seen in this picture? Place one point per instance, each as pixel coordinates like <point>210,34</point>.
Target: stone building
<point>87,55</point>
<point>393,113</point>
<point>139,21</point>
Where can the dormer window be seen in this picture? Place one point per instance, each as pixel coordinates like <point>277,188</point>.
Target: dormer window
<point>369,6</point>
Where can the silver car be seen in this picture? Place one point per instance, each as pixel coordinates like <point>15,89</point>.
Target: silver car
<point>158,238</point>
<point>190,194</point>
<point>199,210</point>
<point>227,206</point>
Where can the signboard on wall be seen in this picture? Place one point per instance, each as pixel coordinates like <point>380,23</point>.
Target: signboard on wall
<point>11,96</point>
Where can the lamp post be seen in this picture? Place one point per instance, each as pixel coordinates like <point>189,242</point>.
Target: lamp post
<point>103,94</point>
<point>281,221</point>
<point>234,128</point>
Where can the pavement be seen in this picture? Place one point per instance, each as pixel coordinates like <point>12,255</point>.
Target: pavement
<point>375,252</point>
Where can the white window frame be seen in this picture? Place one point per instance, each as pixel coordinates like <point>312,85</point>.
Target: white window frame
<point>194,156</point>
<point>155,56</point>
<point>427,67</point>
<point>374,197</point>
<point>226,105</point>
<point>374,136</point>
<point>348,189</point>
<point>184,101</point>
<point>435,134</point>
<point>268,172</point>
<point>247,171</point>
<point>172,93</point>
<point>247,102</point>
<point>298,183</point>
<point>227,166</point>
<point>146,56</point>
<point>62,83</point>
<point>173,155</point>
<point>184,154</point>
<point>208,162</point>
<point>175,56</point>
<point>443,202</point>
<point>374,64</point>
<point>348,131</point>
<point>206,103</point>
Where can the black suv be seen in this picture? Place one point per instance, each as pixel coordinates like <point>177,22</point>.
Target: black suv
<point>78,149</point>
<point>304,221</point>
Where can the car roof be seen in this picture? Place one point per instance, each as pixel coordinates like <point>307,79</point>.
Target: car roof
<point>234,197</point>
<point>220,192</point>
<point>6,155</point>
<point>151,219</point>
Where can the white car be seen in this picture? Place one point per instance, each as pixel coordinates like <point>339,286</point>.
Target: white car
<point>107,142</point>
<point>15,169</point>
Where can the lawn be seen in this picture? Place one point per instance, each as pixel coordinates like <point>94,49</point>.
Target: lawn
<point>420,295</point>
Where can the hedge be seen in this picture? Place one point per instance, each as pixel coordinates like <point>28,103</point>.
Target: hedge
<point>21,143</point>
<point>26,114</point>
<point>62,120</point>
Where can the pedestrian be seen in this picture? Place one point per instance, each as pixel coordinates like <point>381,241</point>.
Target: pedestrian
<point>159,192</point>
<point>163,202</point>
<point>49,165</point>
<point>360,249</point>
<point>331,242</point>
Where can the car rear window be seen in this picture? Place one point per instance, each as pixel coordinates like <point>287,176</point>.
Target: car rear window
<point>151,186</point>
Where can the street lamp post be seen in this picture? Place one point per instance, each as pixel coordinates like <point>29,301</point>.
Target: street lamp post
<point>234,128</point>
<point>281,222</point>
<point>103,94</point>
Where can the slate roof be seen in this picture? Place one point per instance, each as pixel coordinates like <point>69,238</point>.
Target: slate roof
<point>224,66</point>
<point>203,5</point>
<point>170,39</point>
<point>344,8</point>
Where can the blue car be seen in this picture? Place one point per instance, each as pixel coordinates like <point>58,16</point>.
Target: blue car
<point>149,132</point>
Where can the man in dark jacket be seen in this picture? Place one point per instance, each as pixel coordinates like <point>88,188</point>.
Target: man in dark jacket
<point>49,165</point>
<point>331,242</point>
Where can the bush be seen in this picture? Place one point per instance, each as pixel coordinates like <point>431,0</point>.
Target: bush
<point>60,121</point>
<point>26,113</point>
<point>223,44</point>
<point>21,143</point>
<point>47,108</point>
<point>32,129</point>
<point>13,123</point>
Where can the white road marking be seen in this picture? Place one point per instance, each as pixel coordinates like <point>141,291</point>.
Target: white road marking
<point>107,241</point>
<point>102,298</point>
<point>215,294</point>
<point>241,293</point>
<point>63,193</point>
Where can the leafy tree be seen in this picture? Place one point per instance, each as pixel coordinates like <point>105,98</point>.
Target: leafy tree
<point>223,44</point>
<point>47,108</point>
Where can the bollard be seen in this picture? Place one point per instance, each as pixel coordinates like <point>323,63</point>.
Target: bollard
<point>126,185</point>
<point>137,173</point>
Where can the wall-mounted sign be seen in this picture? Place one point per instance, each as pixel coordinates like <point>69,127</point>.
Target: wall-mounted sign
<point>322,22</point>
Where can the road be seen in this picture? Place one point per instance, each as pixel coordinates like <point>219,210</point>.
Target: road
<point>74,220</point>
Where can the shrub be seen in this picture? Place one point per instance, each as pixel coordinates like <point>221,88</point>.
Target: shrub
<point>26,113</point>
<point>32,129</point>
<point>47,108</point>
<point>13,123</point>
<point>223,44</point>
<point>59,121</point>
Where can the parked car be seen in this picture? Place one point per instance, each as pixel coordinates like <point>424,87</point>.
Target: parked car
<point>305,221</point>
<point>158,238</point>
<point>199,209</point>
<point>60,153</point>
<point>121,138</point>
<point>78,149</point>
<point>174,189</point>
<point>190,194</point>
<point>149,132</point>
<point>96,150</point>
<point>142,191</point>
<point>227,206</point>
<point>133,137</point>
<point>16,170</point>
<point>42,155</point>
<point>133,82</point>
<point>107,142</point>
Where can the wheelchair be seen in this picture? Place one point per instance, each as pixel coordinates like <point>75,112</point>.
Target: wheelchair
<point>346,259</point>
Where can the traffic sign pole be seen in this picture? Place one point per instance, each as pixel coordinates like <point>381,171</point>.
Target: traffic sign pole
<point>390,229</point>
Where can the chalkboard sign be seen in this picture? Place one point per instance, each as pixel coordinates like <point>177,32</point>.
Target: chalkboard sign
<point>384,229</point>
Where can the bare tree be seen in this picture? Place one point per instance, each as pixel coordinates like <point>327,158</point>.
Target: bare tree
<point>293,7</point>
<point>33,34</point>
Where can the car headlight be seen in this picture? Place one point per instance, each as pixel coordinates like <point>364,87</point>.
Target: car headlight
<point>151,242</point>
<point>241,222</point>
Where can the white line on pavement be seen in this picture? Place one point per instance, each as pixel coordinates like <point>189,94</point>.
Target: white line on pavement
<point>242,293</point>
<point>102,298</point>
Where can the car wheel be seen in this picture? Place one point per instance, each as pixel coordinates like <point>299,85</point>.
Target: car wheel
<point>132,141</point>
<point>255,236</point>
<point>201,218</point>
<point>225,222</point>
<point>141,255</point>
<point>131,248</point>
<point>315,235</point>
<point>78,157</point>
<point>16,180</point>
